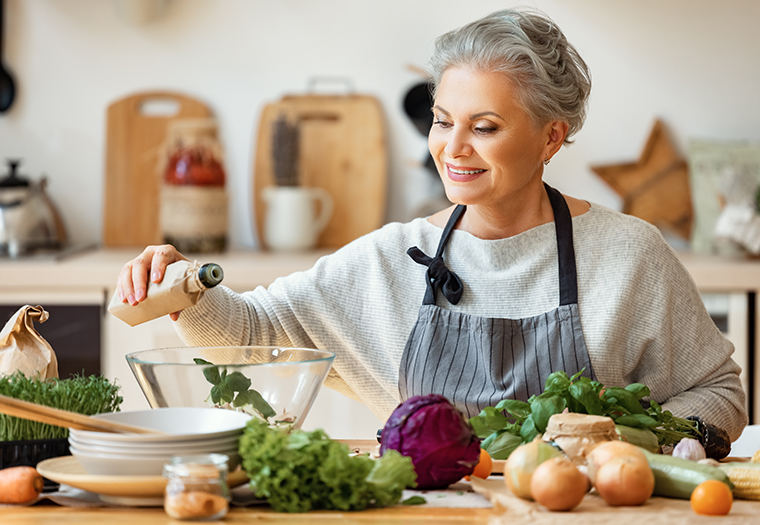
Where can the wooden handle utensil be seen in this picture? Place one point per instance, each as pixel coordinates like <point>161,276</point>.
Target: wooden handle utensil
<point>64,418</point>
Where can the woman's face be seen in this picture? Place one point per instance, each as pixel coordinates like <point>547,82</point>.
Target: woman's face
<point>485,146</point>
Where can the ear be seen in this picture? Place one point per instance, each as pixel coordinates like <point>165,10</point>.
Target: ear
<point>557,131</point>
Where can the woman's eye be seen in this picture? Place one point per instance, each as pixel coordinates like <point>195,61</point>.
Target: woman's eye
<point>485,130</point>
<point>442,123</point>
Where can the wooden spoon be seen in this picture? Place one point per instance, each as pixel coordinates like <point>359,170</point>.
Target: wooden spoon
<point>64,418</point>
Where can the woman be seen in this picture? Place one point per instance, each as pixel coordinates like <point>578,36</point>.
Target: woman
<point>516,281</point>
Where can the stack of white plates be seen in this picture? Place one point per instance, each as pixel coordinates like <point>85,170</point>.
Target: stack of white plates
<point>185,432</point>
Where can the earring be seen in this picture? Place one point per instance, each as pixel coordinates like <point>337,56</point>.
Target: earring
<point>547,160</point>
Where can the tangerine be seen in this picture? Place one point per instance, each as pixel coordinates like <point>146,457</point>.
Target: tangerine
<point>712,498</point>
<point>484,466</point>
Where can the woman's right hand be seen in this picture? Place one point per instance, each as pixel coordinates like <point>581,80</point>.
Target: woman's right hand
<point>149,266</point>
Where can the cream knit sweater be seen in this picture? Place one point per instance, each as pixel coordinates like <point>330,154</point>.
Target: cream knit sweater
<point>642,317</point>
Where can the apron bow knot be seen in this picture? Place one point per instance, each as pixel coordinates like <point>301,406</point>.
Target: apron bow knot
<point>439,276</point>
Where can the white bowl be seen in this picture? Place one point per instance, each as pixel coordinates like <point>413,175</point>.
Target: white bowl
<point>130,464</point>
<point>748,443</point>
<point>178,424</point>
<point>178,447</point>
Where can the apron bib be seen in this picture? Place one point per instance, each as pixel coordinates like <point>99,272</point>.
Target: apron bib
<point>476,362</point>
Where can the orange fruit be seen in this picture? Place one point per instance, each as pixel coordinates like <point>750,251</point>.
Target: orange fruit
<point>712,497</point>
<point>484,466</point>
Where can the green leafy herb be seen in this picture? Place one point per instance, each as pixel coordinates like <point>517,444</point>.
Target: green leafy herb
<point>298,471</point>
<point>225,385</point>
<point>512,421</point>
<point>81,394</point>
<point>415,500</point>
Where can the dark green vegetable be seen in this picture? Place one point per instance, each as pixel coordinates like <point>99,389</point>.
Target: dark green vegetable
<point>414,500</point>
<point>525,420</point>
<point>298,471</point>
<point>677,477</point>
<point>81,394</point>
<point>226,384</point>
<point>641,437</point>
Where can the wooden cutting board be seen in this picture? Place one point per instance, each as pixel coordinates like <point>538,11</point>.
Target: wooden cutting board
<point>342,149</point>
<point>136,130</point>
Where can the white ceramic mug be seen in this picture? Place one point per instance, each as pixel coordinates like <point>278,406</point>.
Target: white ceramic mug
<point>292,222</point>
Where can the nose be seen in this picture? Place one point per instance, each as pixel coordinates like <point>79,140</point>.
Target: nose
<point>457,144</point>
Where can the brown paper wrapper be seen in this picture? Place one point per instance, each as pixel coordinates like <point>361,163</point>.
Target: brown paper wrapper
<point>179,289</point>
<point>511,510</point>
<point>23,348</point>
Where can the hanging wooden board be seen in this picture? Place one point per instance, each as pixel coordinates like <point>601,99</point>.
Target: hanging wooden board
<point>342,149</point>
<point>136,130</point>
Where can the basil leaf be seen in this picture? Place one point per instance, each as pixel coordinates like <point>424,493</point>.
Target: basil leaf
<point>211,373</point>
<point>414,500</point>
<point>500,445</point>
<point>638,390</point>
<point>259,404</point>
<point>237,382</point>
<point>216,394</point>
<point>520,410</point>
<point>584,393</point>
<point>637,421</point>
<point>544,407</point>
<point>528,430</point>
<point>557,382</point>
<point>488,421</point>
<point>625,399</point>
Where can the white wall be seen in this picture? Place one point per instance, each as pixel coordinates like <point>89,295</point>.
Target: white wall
<point>691,62</point>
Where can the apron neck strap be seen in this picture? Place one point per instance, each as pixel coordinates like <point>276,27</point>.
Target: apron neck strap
<point>563,224</point>
<point>438,275</point>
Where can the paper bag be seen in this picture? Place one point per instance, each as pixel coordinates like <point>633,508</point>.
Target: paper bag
<point>22,348</point>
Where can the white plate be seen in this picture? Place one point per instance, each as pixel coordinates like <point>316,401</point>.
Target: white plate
<point>128,446</point>
<point>69,471</point>
<point>151,453</point>
<point>179,424</point>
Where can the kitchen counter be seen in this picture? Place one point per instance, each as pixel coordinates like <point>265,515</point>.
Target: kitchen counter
<point>99,268</point>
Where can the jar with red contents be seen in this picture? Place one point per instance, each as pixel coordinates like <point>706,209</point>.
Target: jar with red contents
<point>193,199</point>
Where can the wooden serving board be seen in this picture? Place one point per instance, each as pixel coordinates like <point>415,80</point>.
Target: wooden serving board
<point>132,184</point>
<point>342,149</point>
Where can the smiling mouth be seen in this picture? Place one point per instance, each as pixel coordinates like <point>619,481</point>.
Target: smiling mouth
<point>463,174</point>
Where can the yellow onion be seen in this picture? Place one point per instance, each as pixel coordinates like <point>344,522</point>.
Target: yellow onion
<point>521,464</point>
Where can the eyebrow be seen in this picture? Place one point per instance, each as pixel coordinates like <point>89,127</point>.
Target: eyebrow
<point>474,116</point>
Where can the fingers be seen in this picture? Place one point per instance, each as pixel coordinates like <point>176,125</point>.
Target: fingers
<point>149,266</point>
<point>174,315</point>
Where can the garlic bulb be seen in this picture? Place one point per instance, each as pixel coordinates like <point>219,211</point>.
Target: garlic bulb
<point>689,448</point>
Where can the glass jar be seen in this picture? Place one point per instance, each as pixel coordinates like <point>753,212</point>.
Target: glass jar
<point>578,434</point>
<point>196,487</point>
<point>193,197</point>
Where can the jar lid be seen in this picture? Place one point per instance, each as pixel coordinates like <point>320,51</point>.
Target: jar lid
<point>204,466</point>
<point>575,424</point>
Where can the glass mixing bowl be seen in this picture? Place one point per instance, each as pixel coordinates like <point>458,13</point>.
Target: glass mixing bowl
<point>274,383</point>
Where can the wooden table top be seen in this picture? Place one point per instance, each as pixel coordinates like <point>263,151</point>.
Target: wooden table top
<point>47,514</point>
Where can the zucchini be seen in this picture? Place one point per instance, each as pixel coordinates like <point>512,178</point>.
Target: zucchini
<point>640,437</point>
<point>677,478</point>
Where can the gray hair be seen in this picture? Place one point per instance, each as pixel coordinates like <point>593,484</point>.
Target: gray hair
<point>552,79</point>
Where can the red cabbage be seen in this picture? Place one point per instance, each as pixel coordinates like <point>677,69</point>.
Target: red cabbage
<point>436,436</point>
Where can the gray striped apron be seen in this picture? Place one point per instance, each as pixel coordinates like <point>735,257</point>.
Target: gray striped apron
<point>476,362</point>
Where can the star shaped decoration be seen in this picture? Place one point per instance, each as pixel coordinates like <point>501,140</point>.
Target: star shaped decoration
<point>656,187</point>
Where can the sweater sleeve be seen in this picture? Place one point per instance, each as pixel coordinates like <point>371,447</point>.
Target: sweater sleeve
<point>359,302</point>
<point>654,329</point>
